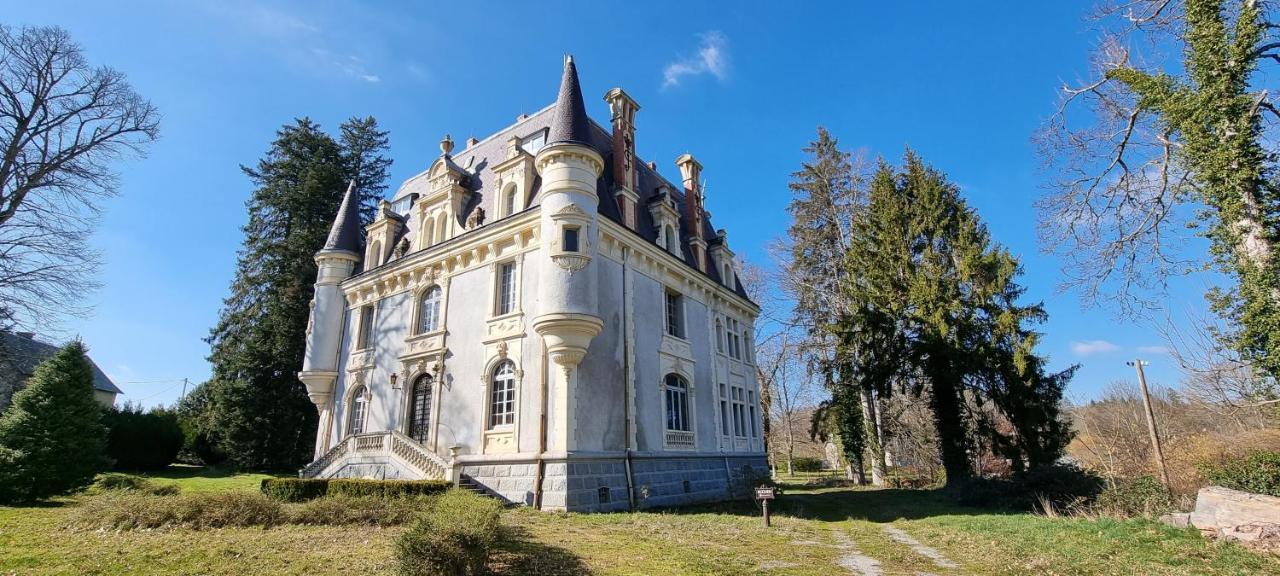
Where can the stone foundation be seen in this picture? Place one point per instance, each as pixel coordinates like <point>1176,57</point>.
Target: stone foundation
<point>598,483</point>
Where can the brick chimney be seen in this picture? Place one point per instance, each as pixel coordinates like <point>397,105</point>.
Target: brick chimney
<point>691,175</point>
<point>623,116</point>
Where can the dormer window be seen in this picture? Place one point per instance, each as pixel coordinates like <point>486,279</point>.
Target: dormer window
<point>534,142</point>
<point>509,201</point>
<point>402,205</point>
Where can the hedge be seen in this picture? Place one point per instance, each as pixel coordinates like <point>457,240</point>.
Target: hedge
<point>454,537</point>
<point>303,489</point>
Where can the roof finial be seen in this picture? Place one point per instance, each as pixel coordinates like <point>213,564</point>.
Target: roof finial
<point>446,145</point>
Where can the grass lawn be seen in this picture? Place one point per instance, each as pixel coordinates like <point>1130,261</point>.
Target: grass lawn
<point>815,531</point>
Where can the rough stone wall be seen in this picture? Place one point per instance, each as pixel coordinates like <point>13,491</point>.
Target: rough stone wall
<point>513,481</point>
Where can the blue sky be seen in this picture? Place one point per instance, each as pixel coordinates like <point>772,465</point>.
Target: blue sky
<point>742,86</point>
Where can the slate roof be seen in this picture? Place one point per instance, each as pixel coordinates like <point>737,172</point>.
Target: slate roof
<point>574,124</point>
<point>20,355</point>
<point>345,233</point>
<point>570,123</point>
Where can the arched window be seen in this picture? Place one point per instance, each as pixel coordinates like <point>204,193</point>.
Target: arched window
<point>502,395</point>
<point>668,238</point>
<point>509,200</point>
<point>357,411</point>
<point>429,310</point>
<point>441,228</point>
<point>420,409</point>
<point>677,403</point>
<point>427,229</point>
<point>375,253</point>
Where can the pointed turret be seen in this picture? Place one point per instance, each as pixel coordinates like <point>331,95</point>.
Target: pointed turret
<point>570,123</point>
<point>335,262</point>
<point>345,233</point>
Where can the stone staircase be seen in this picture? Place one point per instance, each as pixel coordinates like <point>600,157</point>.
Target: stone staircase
<point>391,447</point>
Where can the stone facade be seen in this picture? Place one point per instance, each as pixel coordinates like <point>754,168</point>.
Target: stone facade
<point>544,316</point>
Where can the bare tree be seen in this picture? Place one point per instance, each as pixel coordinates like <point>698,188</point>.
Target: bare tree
<point>1218,378</point>
<point>63,125</point>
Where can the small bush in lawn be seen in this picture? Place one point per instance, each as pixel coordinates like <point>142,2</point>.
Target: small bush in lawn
<point>294,489</point>
<point>454,536</point>
<point>1133,497</point>
<point>129,482</point>
<point>132,510</point>
<point>1259,473</point>
<point>1061,486</point>
<point>303,489</point>
<point>346,510</point>
<point>807,464</point>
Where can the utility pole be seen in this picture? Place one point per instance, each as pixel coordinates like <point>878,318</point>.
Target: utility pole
<point>1151,421</point>
<point>184,389</point>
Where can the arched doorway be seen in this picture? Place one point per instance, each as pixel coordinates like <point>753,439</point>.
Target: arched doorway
<point>420,409</point>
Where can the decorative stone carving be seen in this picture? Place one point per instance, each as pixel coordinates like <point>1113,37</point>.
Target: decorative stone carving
<point>476,219</point>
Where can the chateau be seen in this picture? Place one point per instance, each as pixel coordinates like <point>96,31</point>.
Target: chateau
<point>540,315</point>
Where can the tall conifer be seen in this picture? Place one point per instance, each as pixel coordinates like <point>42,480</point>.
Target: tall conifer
<point>261,417</point>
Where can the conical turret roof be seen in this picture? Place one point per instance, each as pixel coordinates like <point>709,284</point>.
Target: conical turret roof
<point>345,233</point>
<point>570,123</point>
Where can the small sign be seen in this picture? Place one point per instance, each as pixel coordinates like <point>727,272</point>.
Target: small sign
<point>764,494</point>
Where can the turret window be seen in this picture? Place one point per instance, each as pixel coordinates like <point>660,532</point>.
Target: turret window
<point>429,310</point>
<point>570,239</point>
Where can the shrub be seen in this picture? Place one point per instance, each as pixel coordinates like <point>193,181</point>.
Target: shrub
<point>453,537</point>
<point>1131,497</point>
<point>344,510</point>
<point>1062,486</point>
<point>140,440</point>
<point>51,437</point>
<point>132,510</point>
<point>303,489</point>
<point>294,489</point>
<point>1259,472</point>
<point>128,482</point>
<point>807,464</point>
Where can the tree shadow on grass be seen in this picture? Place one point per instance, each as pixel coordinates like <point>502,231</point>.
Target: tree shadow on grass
<point>519,553</point>
<point>883,505</point>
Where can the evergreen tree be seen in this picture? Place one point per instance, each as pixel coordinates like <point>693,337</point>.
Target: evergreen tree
<point>261,415</point>
<point>825,198</point>
<point>935,304</point>
<point>52,440</point>
<point>362,146</point>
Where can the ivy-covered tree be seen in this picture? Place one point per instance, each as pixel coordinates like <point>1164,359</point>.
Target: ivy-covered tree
<point>1169,145</point>
<point>52,440</point>
<point>261,415</point>
<point>825,196</point>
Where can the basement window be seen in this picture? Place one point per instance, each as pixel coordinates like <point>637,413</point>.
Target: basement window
<point>603,494</point>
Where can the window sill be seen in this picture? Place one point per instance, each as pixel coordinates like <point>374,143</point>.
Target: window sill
<point>425,335</point>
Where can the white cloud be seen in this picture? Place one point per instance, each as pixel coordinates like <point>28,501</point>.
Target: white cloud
<point>298,41</point>
<point>1154,350</point>
<point>1092,347</point>
<point>712,58</point>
